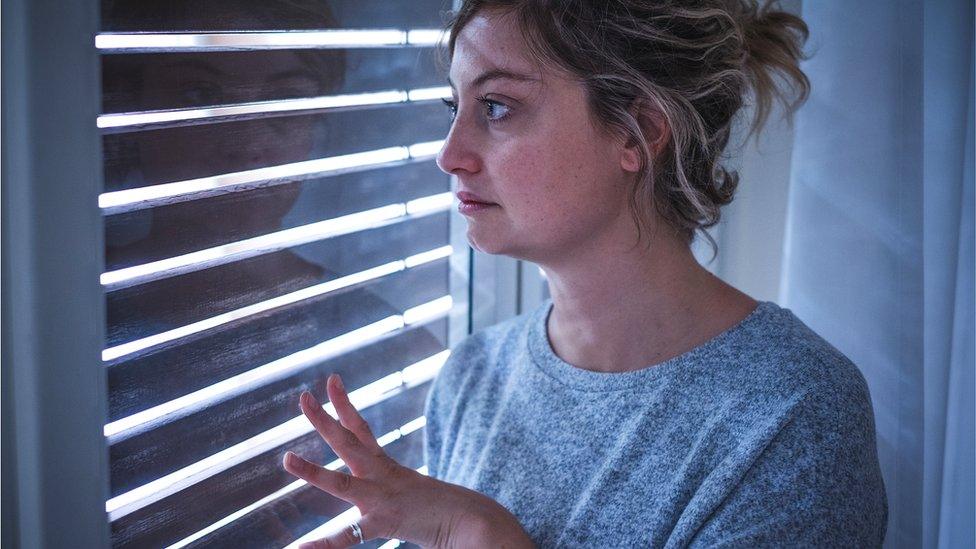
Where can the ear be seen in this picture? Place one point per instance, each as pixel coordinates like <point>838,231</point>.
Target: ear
<point>656,129</point>
<point>630,156</point>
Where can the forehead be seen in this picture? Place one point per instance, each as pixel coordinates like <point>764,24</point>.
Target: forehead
<point>491,42</point>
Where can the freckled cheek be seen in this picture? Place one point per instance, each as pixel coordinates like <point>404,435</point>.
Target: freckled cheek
<point>543,182</point>
<point>520,175</point>
<point>547,205</point>
<point>540,164</point>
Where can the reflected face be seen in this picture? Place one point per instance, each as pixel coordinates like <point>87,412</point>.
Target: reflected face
<point>523,138</point>
<point>224,80</point>
<point>185,153</point>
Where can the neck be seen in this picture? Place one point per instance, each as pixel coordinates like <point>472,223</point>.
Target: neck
<point>618,309</point>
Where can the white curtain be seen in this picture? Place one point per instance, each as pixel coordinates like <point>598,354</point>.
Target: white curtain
<point>878,244</point>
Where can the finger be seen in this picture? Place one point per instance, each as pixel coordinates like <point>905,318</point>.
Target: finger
<point>349,417</point>
<point>345,537</point>
<point>341,440</point>
<point>347,487</point>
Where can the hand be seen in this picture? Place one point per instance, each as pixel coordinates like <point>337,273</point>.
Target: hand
<point>396,501</point>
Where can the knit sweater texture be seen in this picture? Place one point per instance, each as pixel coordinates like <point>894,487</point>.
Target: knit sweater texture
<point>763,436</point>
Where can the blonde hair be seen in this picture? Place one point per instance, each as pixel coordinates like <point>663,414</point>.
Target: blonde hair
<point>692,62</point>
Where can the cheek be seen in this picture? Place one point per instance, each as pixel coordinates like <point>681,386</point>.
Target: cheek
<point>557,182</point>
<point>531,186</point>
<point>557,195</point>
<point>573,177</point>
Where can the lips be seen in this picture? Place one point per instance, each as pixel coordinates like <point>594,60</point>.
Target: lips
<point>471,198</point>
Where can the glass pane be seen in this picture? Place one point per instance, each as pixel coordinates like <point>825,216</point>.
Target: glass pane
<point>272,215</point>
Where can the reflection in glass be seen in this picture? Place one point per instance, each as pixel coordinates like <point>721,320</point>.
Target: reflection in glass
<point>244,260</point>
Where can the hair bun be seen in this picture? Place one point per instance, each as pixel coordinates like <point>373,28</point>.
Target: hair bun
<point>773,42</point>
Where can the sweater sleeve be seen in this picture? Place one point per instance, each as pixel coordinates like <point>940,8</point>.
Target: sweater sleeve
<point>817,483</point>
<point>433,429</point>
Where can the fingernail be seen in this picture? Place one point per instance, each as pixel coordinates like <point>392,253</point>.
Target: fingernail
<point>339,382</point>
<point>289,459</point>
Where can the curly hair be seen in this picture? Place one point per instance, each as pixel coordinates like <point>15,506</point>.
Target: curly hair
<point>691,62</point>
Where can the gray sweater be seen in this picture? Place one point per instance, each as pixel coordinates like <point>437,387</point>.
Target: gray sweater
<point>762,436</point>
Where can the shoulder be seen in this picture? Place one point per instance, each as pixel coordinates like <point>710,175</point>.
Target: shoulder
<point>489,343</point>
<point>829,420</point>
<point>483,354</point>
<point>779,353</point>
<point>776,369</point>
<point>814,477</point>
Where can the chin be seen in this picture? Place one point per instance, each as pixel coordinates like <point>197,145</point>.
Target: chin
<point>497,246</point>
<point>485,247</point>
<point>492,244</point>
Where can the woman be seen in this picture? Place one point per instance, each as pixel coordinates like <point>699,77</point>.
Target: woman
<point>648,402</point>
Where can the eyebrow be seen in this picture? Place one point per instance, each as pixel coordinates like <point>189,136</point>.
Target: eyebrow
<point>496,74</point>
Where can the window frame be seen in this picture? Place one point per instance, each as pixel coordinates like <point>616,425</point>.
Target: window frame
<point>55,463</point>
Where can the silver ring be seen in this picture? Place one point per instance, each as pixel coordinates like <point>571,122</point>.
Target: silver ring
<point>358,532</point>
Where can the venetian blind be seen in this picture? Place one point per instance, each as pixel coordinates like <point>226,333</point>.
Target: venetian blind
<point>272,214</point>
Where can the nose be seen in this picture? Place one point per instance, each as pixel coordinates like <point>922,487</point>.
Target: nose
<point>458,153</point>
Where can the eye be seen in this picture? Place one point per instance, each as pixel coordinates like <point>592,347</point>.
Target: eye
<point>495,111</point>
<point>493,108</point>
<point>452,106</point>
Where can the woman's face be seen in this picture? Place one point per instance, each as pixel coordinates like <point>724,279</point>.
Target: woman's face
<point>530,146</point>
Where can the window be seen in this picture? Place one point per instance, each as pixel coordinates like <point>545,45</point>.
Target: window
<point>182,254</point>
<point>272,214</point>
